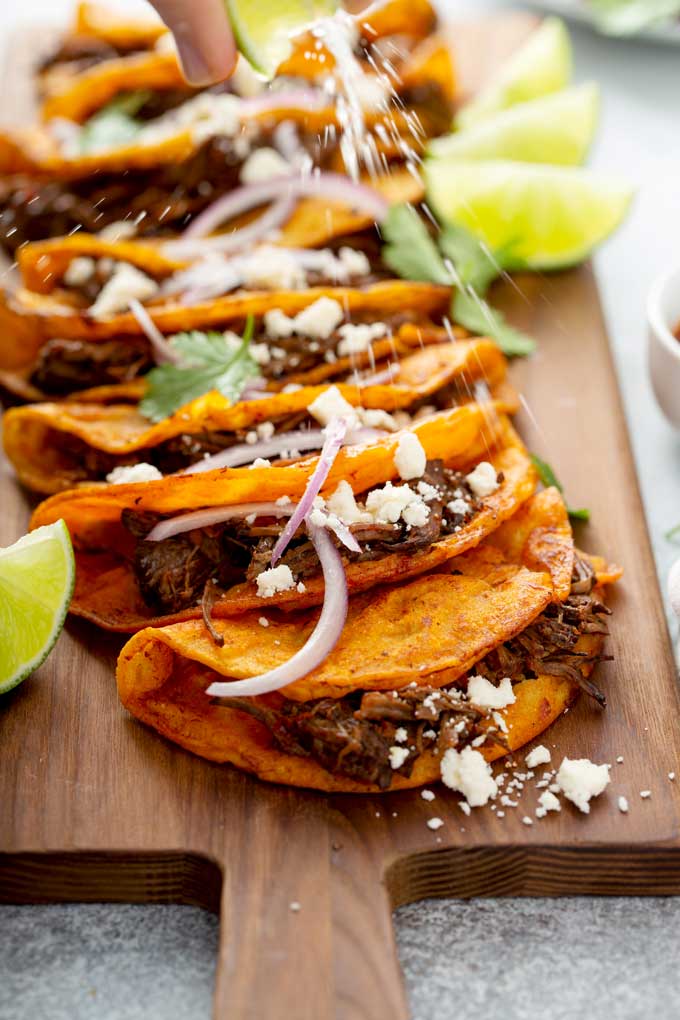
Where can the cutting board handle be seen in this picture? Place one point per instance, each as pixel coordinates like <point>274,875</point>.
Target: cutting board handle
<point>306,934</point>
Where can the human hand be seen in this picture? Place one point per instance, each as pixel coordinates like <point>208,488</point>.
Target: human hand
<point>204,38</point>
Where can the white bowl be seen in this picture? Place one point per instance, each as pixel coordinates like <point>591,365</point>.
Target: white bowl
<point>663,317</point>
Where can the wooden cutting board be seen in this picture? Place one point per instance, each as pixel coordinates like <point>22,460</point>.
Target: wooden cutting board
<point>96,807</point>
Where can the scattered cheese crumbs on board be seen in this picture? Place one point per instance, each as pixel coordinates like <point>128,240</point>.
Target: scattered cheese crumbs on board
<point>465,807</point>
<point>580,780</point>
<point>671,776</point>
<point>548,802</point>
<point>527,821</point>
<point>434,824</point>
<point>539,756</point>
<point>623,805</point>
<point>468,773</point>
<point>645,794</point>
<point>295,907</point>
<point>619,760</point>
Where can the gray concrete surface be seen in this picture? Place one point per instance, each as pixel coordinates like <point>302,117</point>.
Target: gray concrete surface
<point>510,959</point>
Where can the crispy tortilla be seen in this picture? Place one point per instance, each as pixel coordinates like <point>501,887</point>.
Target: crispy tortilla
<point>34,435</point>
<point>106,587</point>
<point>435,629</point>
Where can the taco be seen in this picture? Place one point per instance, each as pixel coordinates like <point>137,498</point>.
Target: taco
<point>300,336</point>
<point>56,446</point>
<point>394,704</point>
<point>161,173</point>
<point>400,505</point>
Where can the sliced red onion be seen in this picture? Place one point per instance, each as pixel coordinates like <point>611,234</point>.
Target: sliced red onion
<point>321,641</point>
<point>331,186</point>
<point>335,436</point>
<point>216,515</point>
<point>301,439</point>
<point>162,350</point>
<point>342,532</point>
<point>291,99</point>
<point>278,213</point>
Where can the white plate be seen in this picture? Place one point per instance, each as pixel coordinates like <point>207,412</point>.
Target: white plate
<point>577,10</point>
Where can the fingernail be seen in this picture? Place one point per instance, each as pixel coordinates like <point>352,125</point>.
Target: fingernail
<point>194,66</point>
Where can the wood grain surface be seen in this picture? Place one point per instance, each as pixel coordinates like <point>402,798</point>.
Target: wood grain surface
<point>96,807</point>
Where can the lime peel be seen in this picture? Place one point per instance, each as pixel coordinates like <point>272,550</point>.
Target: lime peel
<point>41,561</point>
<point>263,31</point>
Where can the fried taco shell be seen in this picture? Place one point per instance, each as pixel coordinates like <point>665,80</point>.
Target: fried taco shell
<point>55,446</point>
<point>34,336</point>
<point>500,610</point>
<point>108,579</point>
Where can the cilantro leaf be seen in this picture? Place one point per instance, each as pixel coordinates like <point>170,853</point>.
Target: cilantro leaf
<point>475,265</point>
<point>549,479</point>
<point>114,125</point>
<point>410,251</point>
<point>473,312</point>
<point>625,17</point>
<point>209,362</point>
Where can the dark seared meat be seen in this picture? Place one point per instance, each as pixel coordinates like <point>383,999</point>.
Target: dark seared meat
<point>172,574</point>
<point>238,551</point>
<point>163,198</point>
<point>548,645</point>
<point>80,52</point>
<point>65,366</point>
<point>352,736</point>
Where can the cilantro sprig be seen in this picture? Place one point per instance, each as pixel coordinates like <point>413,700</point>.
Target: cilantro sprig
<point>208,361</point>
<point>455,257</point>
<point>549,478</point>
<point>114,125</point>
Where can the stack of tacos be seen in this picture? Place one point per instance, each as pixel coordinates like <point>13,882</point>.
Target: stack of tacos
<point>330,551</point>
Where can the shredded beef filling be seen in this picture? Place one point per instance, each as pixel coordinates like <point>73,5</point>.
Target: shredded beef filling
<point>81,52</point>
<point>172,573</point>
<point>66,366</point>
<point>352,736</point>
<point>161,200</point>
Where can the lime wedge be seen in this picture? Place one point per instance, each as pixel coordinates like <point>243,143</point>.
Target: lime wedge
<point>541,66</point>
<point>37,575</point>
<point>558,128</point>
<point>549,217</point>
<point>263,29</point>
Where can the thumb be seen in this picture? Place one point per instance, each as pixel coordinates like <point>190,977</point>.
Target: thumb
<point>204,38</point>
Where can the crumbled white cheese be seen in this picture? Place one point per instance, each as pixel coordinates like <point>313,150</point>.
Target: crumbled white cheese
<point>295,907</point>
<point>276,579</point>
<point>263,164</point>
<point>458,506</point>
<point>331,404</point>
<point>527,821</point>
<point>260,353</point>
<point>301,587</point>
<point>266,429</point>
<point>580,779</point>
<point>483,480</point>
<point>206,115</point>
<point>623,805</point>
<point>79,271</point>
<point>410,458</point>
<point>354,262</point>
<point>427,794</point>
<point>119,230</point>
<point>355,339</point>
<point>126,283</point>
<point>273,269</point>
<point>374,418</point>
<point>619,760</point>
<point>261,462</point>
<point>645,794</point>
<point>277,324</point>
<point>427,491</point>
<point>434,823</point>
<point>398,756</point>
<point>401,736</point>
<point>263,621</point>
<point>319,319</point>
<point>484,694</point>
<point>392,502</point>
<point>134,474</point>
<point>539,756</point>
<point>671,776</point>
<point>468,773</point>
<point>283,501</point>
<point>549,802</point>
